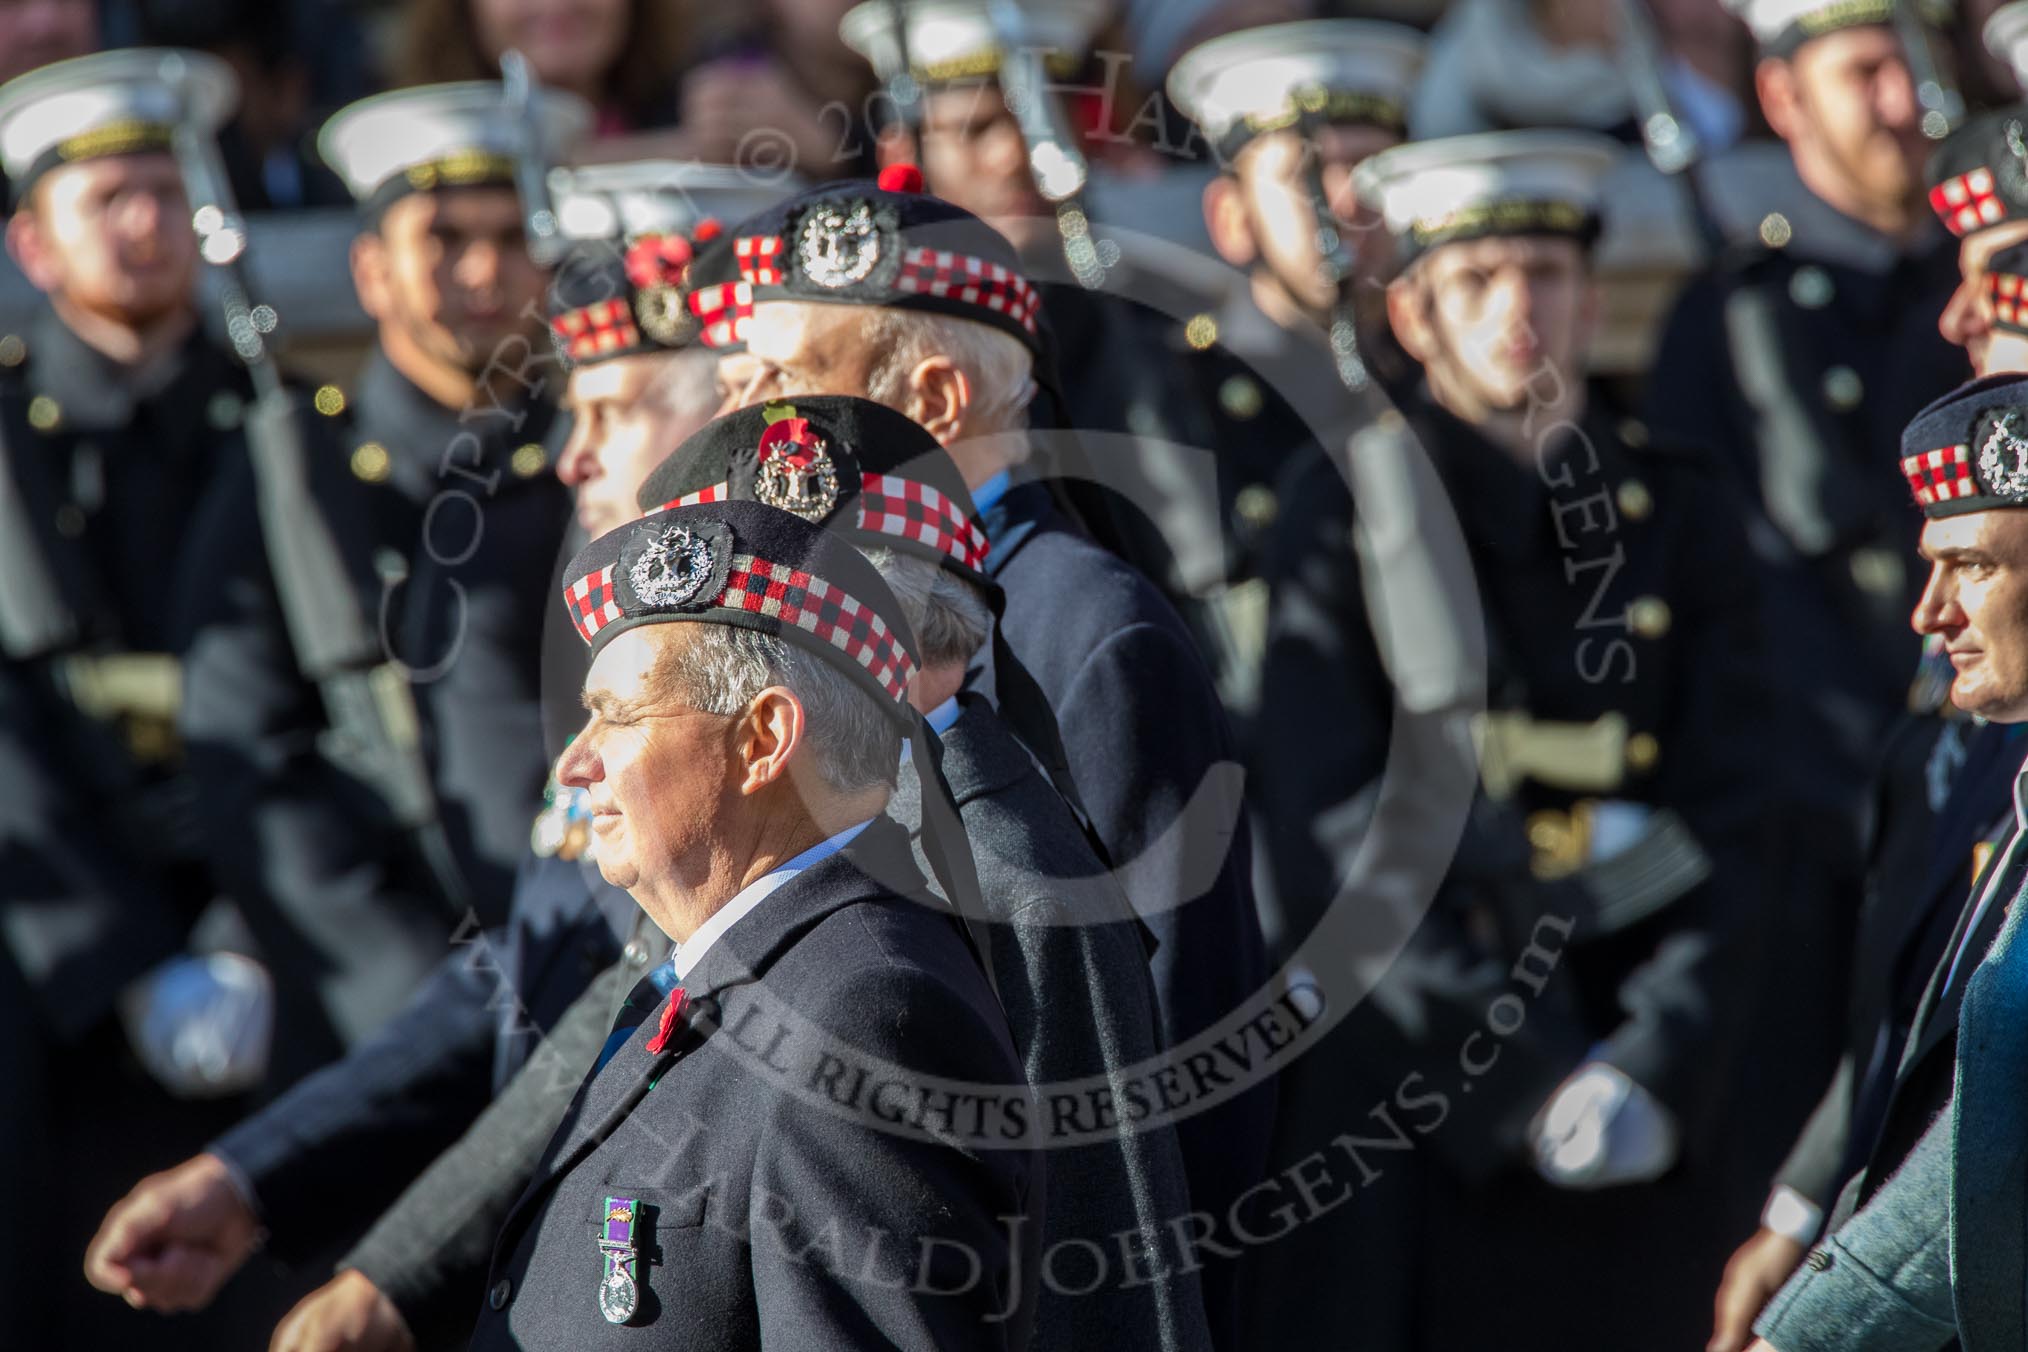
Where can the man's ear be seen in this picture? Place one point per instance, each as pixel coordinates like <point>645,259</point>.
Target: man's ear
<point>1226,221</point>
<point>368,257</point>
<point>29,247</point>
<point>768,736</point>
<point>1774,82</point>
<point>1408,316</point>
<point>940,398</point>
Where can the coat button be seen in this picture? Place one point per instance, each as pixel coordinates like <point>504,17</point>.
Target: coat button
<point>371,462</point>
<point>1635,501</point>
<point>1819,1260</point>
<point>1843,389</point>
<point>1811,287</point>
<point>636,953</point>
<point>529,460</point>
<point>498,1296</point>
<point>1648,616</point>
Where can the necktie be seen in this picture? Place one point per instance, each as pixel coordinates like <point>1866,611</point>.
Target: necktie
<point>648,994</point>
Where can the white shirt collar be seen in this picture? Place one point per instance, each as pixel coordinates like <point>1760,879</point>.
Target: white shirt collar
<point>692,950</point>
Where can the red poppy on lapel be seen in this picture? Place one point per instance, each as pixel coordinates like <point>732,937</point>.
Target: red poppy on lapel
<point>672,1019</point>
<point>658,260</point>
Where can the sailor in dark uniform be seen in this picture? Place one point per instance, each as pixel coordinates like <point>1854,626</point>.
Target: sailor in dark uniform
<point>817,1085</point>
<point>880,291</point>
<point>1286,111</point>
<point>1549,1040</point>
<point>438,491</point>
<point>119,423</point>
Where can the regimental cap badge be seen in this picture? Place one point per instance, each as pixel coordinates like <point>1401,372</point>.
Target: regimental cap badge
<point>842,243</point>
<point>2003,458</point>
<point>677,568</point>
<point>797,473</point>
<point>658,266</point>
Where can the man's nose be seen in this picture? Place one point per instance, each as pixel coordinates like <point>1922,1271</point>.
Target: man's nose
<point>1935,608</point>
<point>577,463</point>
<point>1894,100</point>
<point>578,766</point>
<point>479,266</point>
<point>1964,317</point>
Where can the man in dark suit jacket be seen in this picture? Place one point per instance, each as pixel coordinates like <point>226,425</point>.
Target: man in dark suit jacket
<point>1145,736</point>
<point>1943,798</point>
<point>1961,457</point>
<point>804,1146</point>
<point>1066,946</point>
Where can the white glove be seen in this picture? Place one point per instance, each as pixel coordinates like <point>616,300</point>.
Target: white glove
<point>1600,1129</point>
<point>202,1024</point>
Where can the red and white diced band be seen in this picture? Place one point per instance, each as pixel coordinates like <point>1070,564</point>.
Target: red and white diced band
<point>910,509</point>
<point>1940,475</point>
<point>602,326</point>
<point>1967,202</point>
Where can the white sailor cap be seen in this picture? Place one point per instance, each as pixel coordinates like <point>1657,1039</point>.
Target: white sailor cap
<point>441,136</point>
<point>2006,37</point>
<point>953,40</point>
<point>1494,183</point>
<point>1781,26</point>
<point>123,102</point>
<point>630,198</point>
<point>1258,80</point>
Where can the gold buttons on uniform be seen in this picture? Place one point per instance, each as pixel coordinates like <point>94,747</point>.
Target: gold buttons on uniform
<point>70,521</point>
<point>1648,616</point>
<point>1240,397</point>
<point>370,462</point>
<point>1256,506</point>
<point>1843,389</point>
<point>1811,287</point>
<point>1642,752</point>
<point>527,461</point>
<point>12,350</point>
<point>329,400</point>
<point>1201,332</point>
<point>1634,432</point>
<point>1635,501</point>
<point>1775,230</point>
<point>44,413</point>
<point>1879,571</point>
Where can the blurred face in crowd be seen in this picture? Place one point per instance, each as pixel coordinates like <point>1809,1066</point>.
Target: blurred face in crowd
<point>1486,317</point>
<point>36,32</point>
<point>1846,105</point>
<point>448,279</point>
<point>1977,603</point>
<point>110,237</point>
<point>627,416</point>
<point>973,155</point>
<point>572,44</point>
<point>1261,215</point>
<point>1967,319</point>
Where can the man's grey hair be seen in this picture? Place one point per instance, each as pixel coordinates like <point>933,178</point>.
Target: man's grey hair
<point>951,616</point>
<point>1001,370</point>
<point>857,744</point>
<point>686,386</point>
